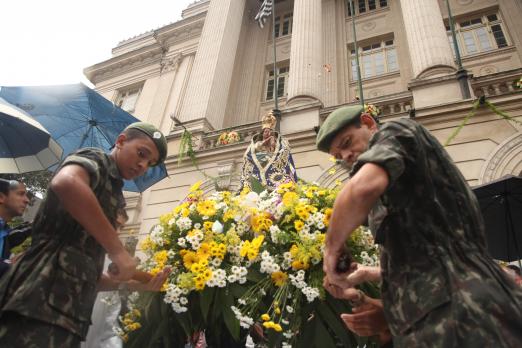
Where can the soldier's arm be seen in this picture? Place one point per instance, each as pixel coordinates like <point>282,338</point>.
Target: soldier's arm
<point>71,186</point>
<point>350,210</point>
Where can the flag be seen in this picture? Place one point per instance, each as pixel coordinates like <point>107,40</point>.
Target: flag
<point>264,12</point>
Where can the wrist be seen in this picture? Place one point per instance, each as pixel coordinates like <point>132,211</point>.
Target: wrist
<point>123,286</point>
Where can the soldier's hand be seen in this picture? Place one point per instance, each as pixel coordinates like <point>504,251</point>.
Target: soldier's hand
<point>350,294</point>
<point>360,274</point>
<point>331,266</point>
<point>125,266</point>
<point>367,319</point>
<point>154,284</point>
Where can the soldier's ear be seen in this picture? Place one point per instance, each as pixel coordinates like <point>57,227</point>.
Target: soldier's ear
<point>368,121</point>
<point>120,140</point>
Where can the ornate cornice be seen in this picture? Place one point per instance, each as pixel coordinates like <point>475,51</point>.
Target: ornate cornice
<point>148,49</point>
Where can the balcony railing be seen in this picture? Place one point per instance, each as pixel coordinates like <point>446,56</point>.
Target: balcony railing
<point>497,84</point>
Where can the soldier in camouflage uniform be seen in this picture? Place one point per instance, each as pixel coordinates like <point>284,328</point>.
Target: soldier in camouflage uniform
<point>440,288</point>
<point>47,297</point>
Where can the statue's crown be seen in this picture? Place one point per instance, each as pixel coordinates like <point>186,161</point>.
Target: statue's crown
<point>269,121</point>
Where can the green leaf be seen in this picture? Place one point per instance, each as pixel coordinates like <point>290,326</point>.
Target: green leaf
<point>231,322</point>
<point>255,276</point>
<point>256,186</point>
<point>323,338</point>
<point>205,300</point>
<point>326,314</point>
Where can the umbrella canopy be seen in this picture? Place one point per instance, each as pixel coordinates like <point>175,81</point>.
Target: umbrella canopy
<point>501,205</point>
<point>77,116</point>
<point>25,145</point>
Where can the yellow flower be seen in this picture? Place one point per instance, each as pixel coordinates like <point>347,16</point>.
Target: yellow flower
<point>277,327</point>
<point>207,274</point>
<point>289,198</point>
<point>206,208</point>
<point>207,225</point>
<point>279,278</point>
<point>285,187</point>
<point>302,212</point>
<point>189,259</point>
<point>327,216</point>
<point>298,224</point>
<point>147,244</point>
<point>199,285</point>
<point>196,268</point>
<point>300,264</point>
<point>332,171</point>
<point>161,257</point>
<point>269,324</point>
<point>204,250</point>
<point>196,186</point>
<point>265,317</point>
<point>277,310</point>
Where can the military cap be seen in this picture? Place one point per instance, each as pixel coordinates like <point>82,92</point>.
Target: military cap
<point>154,133</point>
<point>334,123</point>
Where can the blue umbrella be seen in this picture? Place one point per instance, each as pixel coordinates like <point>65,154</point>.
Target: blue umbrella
<point>77,116</point>
<point>25,145</point>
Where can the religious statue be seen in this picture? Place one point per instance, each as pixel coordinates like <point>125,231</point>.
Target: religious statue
<point>268,158</point>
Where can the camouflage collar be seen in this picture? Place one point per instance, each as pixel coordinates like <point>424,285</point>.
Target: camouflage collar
<point>113,168</point>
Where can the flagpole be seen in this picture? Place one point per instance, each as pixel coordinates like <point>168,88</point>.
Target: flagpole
<point>276,112</point>
<point>462,74</point>
<point>361,94</point>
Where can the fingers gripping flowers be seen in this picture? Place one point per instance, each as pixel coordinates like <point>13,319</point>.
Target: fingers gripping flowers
<point>268,244</point>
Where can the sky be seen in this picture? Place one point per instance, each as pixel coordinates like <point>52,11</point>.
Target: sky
<point>46,42</point>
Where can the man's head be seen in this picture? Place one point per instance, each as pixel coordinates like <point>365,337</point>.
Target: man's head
<point>13,199</point>
<point>138,147</point>
<point>346,132</point>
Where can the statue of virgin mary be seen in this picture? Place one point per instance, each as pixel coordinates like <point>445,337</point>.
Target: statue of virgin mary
<point>268,158</point>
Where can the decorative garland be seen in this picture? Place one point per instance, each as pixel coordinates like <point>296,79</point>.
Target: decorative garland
<point>186,150</point>
<point>478,103</point>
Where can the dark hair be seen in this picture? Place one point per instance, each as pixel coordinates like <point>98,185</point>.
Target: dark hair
<point>8,185</point>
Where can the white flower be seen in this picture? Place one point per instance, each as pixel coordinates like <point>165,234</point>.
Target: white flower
<point>251,199</point>
<point>182,242</point>
<point>249,342</point>
<point>217,227</point>
<point>184,223</point>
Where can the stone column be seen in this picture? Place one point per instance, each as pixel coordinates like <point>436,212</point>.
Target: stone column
<point>208,87</point>
<point>432,62</point>
<point>427,39</point>
<point>306,52</point>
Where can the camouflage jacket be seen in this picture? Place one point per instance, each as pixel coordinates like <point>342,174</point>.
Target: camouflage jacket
<point>55,281</point>
<point>431,229</point>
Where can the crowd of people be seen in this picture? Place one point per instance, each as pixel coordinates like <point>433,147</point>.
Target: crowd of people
<point>439,287</point>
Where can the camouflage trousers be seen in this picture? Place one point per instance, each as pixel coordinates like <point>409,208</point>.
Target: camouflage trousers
<point>450,326</point>
<point>17,331</point>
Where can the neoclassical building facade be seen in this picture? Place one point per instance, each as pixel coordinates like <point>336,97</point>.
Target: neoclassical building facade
<point>213,70</point>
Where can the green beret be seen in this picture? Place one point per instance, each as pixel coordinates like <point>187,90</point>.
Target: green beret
<point>334,123</point>
<point>154,133</point>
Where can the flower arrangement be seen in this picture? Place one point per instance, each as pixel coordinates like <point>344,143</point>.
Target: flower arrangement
<point>249,262</point>
<point>372,110</point>
<point>226,138</point>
